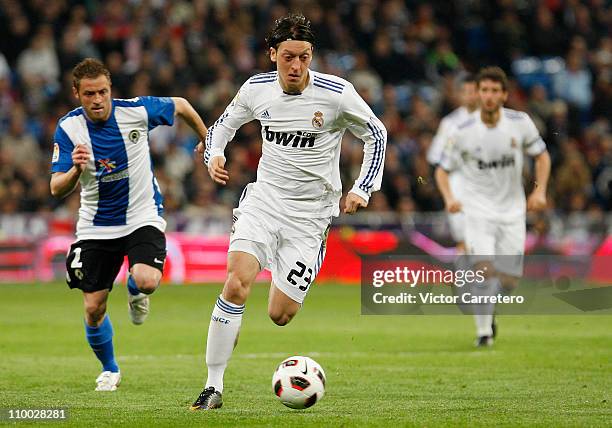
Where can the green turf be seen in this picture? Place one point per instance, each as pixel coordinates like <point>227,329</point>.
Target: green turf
<point>382,370</point>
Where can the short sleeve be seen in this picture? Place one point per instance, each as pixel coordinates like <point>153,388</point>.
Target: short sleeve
<point>61,160</point>
<point>160,110</point>
<point>532,141</point>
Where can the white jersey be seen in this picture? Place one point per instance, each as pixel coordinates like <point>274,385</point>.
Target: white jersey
<point>119,192</point>
<point>490,161</point>
<point>299,171</point>
<point>448,125</point>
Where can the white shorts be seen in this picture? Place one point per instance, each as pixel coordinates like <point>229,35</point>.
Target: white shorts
<point>502,243</point>
<point>456,223</point>
<point>292,248</point>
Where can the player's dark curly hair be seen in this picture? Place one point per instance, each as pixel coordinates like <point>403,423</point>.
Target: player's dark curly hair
<point>290,27</point>
<point>495,74</point>
<point>89,68</point>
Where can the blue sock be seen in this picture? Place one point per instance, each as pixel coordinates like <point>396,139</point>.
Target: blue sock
<point>101,341</point>
<point>131,286</point>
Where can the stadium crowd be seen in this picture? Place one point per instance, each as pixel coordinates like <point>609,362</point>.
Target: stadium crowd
<point>404,57</point>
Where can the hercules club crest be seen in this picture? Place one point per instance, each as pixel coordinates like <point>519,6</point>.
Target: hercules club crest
<point>317,120</point>
<point>134,136</point>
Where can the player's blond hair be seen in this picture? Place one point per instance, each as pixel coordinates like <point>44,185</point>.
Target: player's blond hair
<point>89,68</point>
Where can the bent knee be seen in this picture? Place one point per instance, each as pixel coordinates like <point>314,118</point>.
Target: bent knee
<point>147,283</point>
<point>280,318</point>
<point>95,312</point>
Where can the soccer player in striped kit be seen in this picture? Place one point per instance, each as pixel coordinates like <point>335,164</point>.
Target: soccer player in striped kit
<point>104,146</point>
<point>282,219</point>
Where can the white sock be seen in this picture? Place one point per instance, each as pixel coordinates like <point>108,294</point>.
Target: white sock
<point>222,333</point>
<point>483,325</point>
<point>483,318</point>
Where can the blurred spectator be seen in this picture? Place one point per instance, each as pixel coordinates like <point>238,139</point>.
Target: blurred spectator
<point>539,105</point>
<point>111,27</point>
<point>549,39</point>
<point>509,36</point>
<point>574,83</point>
<point>385,60</point>
<point>572,180</point>
<point>39,68</point>
<point>17,30</point>
<point>5,71</point>
<point>18,143</point>
<point>7,98</point>
<point>557,129</point>
<point>442,61</point>
<point>366,81</point>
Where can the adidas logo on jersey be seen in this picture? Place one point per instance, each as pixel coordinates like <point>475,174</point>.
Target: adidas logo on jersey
<point>302,139</point>
<point>266,115</point>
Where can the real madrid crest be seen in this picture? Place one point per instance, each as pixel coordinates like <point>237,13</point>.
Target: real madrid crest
<point>317,120</point>
<point>513,143</point>
<point>134,135</point>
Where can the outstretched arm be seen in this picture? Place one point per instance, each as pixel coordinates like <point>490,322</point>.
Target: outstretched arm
<point>185,111</point>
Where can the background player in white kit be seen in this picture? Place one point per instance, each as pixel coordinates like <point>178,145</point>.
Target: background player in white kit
<point>488,151</point>
<point>104,145</point>
<point>469,103</point>
<point>282,219</point>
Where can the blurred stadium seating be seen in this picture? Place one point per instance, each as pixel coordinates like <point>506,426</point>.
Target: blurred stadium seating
<point>404,57</point>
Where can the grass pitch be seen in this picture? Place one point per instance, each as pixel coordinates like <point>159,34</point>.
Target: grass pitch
<point>381,370</point>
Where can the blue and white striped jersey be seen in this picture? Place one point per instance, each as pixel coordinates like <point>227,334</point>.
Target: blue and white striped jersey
<point>119,192</point>
<point>299,167</point>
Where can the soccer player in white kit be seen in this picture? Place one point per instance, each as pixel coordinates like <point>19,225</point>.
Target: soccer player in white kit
<point>469,103</point>
<point>104,146</point>
<point>282,220</point>
<point>488,151</point>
